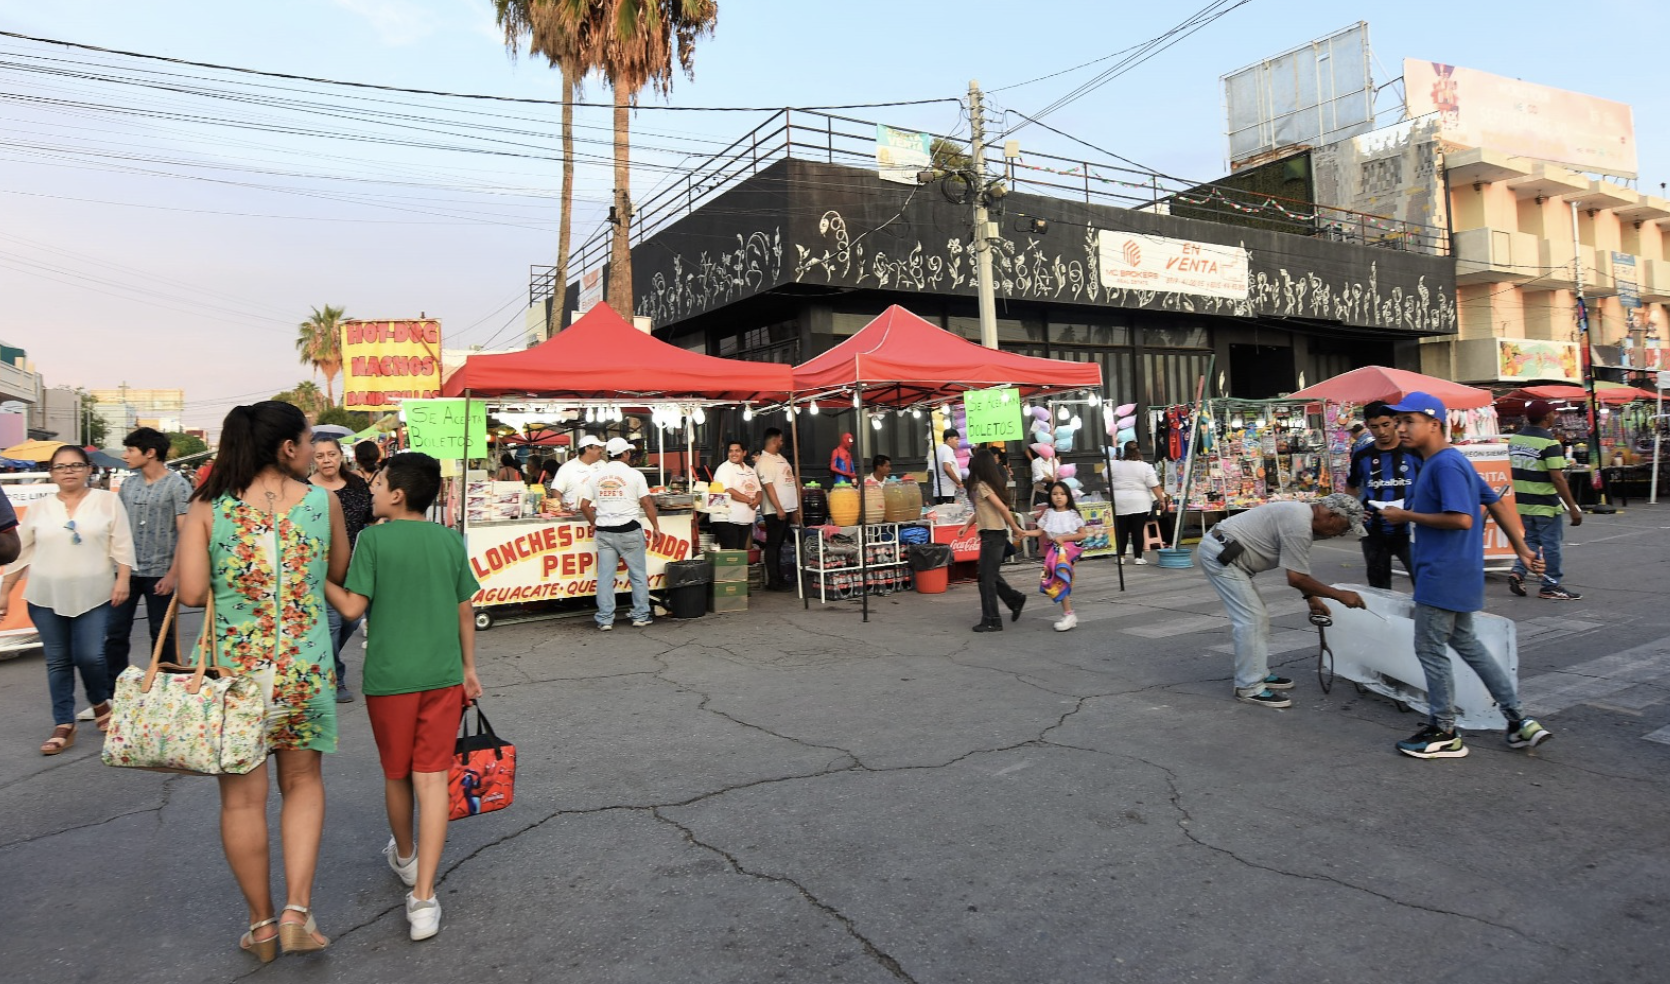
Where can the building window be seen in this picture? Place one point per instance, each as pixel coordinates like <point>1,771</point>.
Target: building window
<point>1176,338</point>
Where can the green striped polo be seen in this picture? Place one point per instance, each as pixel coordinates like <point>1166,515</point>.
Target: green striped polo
<point>1533,453</point>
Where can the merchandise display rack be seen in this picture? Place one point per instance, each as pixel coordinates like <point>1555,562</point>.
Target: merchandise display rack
<point>830,573</point>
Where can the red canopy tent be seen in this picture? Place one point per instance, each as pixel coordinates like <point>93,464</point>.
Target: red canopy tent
<point>900,360</point>
<point>1372,383</point>
<point>602,357</point>
<point>1611,394</point>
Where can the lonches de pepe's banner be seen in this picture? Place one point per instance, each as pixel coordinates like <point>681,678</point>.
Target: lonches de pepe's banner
<point>385,362</point>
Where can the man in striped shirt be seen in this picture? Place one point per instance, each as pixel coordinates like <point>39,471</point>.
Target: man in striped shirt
<point>1541,493</point>
<point>1383,471</point>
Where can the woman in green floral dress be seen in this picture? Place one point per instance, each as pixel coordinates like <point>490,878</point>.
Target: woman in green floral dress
<point>262,541</point>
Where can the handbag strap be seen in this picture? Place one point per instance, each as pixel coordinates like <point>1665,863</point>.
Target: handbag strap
<point>203,660</point>
<point>483,727</point>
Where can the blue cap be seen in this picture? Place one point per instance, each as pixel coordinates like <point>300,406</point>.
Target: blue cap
<point>1418,402</point>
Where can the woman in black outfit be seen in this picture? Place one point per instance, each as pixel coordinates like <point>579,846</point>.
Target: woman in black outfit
<point>355,495</point>
<point>986,484</point>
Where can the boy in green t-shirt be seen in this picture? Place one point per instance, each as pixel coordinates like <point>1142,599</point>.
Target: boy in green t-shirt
<point>419,667</point>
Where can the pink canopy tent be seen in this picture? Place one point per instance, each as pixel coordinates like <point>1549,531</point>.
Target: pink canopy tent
<point>1372,383</point>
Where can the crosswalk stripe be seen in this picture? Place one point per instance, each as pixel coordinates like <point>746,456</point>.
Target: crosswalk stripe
<point>1548,693</point>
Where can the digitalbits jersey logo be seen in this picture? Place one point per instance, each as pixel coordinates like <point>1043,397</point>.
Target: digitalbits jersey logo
<point>1133,253</point>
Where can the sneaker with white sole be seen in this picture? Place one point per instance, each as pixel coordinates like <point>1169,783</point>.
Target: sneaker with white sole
<point>1067,622</point>
<point>1431,743</point>
<point>1527,733</point>
<point>605,626</point>
<point>639,623</point>
<point>424,916</point>
<point>1558,593</point>
<point>1266,698</point>
<point>1141,563</point>
<point>405,868</point>
<point>1273,682</point>
<point>86,715</point>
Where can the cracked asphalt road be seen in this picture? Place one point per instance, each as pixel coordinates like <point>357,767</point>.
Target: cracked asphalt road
<point>792,795</point>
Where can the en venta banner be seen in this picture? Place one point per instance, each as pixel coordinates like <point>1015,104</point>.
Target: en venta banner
<point>1133,261</point>
<point>385,362</point>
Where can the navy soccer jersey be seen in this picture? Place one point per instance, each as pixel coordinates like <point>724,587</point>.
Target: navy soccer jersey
<point>1383,476</point>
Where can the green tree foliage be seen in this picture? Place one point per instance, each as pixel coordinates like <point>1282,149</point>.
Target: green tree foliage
<point>90,428</point>
<point>319,343</point>
<point>352,419</point>
<point>306,397</point>
<point>185,444</point>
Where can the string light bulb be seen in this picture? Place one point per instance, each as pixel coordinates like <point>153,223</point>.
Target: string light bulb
<point>813,408</point>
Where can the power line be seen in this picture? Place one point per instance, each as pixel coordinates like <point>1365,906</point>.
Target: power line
<point>450,95</point>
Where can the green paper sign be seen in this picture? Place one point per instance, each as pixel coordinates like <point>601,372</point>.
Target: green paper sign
<point>438,428</point>
<point>994,415</point>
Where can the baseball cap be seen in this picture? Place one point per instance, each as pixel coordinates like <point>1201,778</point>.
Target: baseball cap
<point>1538,409</point>
<point>617,446</point>
<point>1418,402</point>
<point>590,440</point>
<point>1341,504</point>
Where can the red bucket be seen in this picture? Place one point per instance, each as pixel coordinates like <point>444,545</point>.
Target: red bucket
<point>934,581</point>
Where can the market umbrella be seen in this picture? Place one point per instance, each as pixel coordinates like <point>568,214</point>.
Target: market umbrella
<point>103,459</point>
<point>1610,394</point>
<point>332,430</point>
<point>1372,383</point>
<point>32,450</point>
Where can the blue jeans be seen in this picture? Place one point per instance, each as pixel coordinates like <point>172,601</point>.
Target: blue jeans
<point>1249,620</point>
<point>340,634</point>
<point>1545,532</point>
<point>612,548</point>
<point>73,644</point>
<point>1436,628</point>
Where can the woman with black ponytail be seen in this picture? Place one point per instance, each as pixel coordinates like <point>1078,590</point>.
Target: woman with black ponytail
<point>262,541</point>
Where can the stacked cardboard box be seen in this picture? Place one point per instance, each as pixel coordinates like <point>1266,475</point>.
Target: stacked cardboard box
<point>730,580</point>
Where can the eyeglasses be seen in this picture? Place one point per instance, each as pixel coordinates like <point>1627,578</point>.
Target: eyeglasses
<point>75,537</point>
<point>71,466</point>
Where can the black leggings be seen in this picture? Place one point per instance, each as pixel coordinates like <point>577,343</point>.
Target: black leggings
<point>992,585</point>
<point>1131,527</point>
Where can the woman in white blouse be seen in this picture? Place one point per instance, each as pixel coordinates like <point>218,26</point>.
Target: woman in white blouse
<point>1136,488</point>
<point>80,551</point>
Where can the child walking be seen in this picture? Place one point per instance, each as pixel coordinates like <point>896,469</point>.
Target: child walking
<point>421,672</point>
<point>1061,525</point>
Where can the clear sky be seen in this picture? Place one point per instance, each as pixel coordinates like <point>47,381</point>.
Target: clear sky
<point>166,239</point>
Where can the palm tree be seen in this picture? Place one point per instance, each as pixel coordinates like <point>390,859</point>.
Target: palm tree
<point>634,44</point>
<point>562,40</point>
<point>319,343</point>
<point>304,396</point>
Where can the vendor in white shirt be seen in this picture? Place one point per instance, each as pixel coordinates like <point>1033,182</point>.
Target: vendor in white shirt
<point>577,471</point>
<point>733,527</point>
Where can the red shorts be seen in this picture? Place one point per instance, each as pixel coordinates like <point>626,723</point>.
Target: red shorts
<point>416,732</point>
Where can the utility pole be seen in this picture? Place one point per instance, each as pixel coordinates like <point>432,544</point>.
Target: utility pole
<point>983,231</point>
<point>1597,460</point>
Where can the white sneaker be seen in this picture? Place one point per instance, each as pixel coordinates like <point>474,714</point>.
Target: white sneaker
<point>1141,563</point>
<point>424,916</point>
<point>86,715</point>
<point>406,869</point>
<point>1067,622</point>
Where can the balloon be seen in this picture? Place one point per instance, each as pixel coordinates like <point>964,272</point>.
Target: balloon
<point>1126,436</point>
<point>1067,470</point>
<point>1041,413</point>
<point>1064,444</point>
<point>1127,421</point>
<point>1125,409</point>
<point>1072,483</point>
<point>1040,427</point>
<point>1044,450</point>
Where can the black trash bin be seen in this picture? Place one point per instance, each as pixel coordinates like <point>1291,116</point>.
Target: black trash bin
<point>687,587</point>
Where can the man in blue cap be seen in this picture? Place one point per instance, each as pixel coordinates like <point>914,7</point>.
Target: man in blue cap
<point>1449,578</point>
